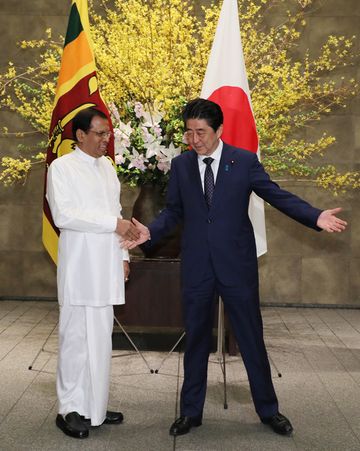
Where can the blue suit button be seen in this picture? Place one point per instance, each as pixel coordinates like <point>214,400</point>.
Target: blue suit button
<point>209,221</point>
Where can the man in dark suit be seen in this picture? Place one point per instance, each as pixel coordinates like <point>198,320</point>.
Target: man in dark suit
<point>209,192</point>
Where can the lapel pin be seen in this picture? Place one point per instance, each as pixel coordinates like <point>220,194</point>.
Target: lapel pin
<point>227,167</point>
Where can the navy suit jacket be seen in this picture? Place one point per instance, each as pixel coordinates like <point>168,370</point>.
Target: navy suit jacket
<point>223,234</point>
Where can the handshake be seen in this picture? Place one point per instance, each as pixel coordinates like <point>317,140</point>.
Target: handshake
<point>132,233</point>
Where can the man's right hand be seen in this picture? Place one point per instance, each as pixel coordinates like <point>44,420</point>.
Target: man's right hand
<point>127,230</point>
<point>144,235</point>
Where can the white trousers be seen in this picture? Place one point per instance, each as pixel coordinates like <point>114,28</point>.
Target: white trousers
<point>84,360</point>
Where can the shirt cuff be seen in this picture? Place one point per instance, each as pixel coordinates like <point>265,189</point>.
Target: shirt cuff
<point>110,223</point>
<point>126,256</point>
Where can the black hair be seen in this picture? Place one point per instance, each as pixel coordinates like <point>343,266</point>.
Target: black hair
<point>83,120</point>
<point>204,109</point>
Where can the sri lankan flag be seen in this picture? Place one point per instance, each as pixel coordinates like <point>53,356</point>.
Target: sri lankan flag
<point>77,89</point>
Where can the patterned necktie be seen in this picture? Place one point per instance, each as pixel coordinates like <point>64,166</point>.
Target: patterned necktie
<point>209,184</point>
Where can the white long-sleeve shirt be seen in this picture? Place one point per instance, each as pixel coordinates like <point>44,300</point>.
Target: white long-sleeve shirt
<point>84,198</point>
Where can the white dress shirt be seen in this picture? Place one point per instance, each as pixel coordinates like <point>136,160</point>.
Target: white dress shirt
<point>216,155</point>
<point>84,198</point>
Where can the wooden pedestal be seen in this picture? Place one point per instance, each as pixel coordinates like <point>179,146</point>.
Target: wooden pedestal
<point>153,299</point>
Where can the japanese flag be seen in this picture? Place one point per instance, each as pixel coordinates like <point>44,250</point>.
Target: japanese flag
<point>226,84</point>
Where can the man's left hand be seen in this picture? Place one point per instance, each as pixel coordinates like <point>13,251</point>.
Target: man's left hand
<point>330,222</point>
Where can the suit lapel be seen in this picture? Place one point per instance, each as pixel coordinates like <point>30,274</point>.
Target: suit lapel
<point>222,175</point>
<point>193,168</point>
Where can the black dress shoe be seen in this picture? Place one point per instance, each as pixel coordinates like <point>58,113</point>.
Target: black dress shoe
<point>183,425</point>
<point>279,424</point>
<point>111,418</point>
<point>72,425</point>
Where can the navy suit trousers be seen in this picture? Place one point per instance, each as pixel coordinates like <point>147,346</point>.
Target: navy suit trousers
<point>246,322</point>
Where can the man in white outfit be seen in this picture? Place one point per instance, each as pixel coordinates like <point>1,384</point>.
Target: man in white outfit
<point>83,192</point>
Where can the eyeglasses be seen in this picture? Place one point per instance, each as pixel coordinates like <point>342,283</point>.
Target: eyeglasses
<point>102,135</point>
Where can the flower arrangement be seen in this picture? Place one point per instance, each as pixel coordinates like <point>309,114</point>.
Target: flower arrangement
<point>145,142</point>
<point>156,52</point>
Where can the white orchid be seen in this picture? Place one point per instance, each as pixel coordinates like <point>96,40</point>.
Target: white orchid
<point>152,119</point>
<point>122,134</point>
<point>164,166</point>
<point>154,148</point>
<point>157,130</point>
<point>119,159</point>
<point>137,160</point>
<point>139,110</point>
<point>114,111</point>
<point>147,136</point>
<point>166,155</point>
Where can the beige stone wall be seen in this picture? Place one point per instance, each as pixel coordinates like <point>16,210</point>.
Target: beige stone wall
<point>301,266</point>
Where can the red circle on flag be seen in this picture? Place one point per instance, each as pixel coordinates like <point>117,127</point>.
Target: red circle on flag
<point>239,123</point>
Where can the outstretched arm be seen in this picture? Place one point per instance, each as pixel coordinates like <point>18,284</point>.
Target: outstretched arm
<point>292,205</point>
<point>330,222</point>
